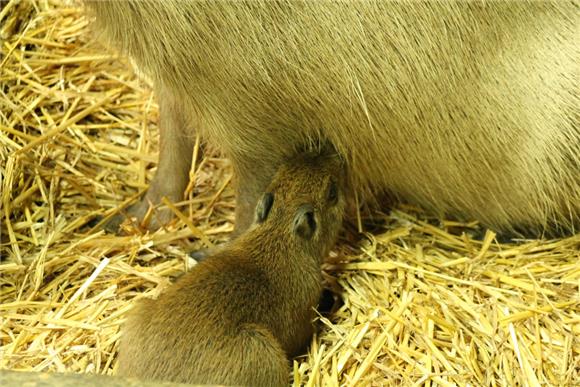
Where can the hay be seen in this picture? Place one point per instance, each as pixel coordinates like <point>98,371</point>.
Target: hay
<point>423,303</point>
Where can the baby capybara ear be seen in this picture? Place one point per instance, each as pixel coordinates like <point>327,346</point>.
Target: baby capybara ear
<point>264,206</point>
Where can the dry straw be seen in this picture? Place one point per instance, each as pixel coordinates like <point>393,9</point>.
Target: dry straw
<point>422,302</point>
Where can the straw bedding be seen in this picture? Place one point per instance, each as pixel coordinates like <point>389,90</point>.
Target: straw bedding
<point>420,301</point>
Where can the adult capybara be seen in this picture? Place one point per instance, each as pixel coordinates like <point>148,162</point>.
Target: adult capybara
<point>238,315</point>
<point>469,109</point>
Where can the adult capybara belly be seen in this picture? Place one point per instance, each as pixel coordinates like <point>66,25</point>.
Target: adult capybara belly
<point>467,109</point>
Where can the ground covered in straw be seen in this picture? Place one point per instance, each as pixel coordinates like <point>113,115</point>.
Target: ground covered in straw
<point>420,301</point>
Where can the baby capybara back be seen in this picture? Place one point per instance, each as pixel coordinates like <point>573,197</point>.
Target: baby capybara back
<point>238,315</point>
<point>469,109</point>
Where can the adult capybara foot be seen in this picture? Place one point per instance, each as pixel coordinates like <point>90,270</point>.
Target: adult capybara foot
<point>142,215</point>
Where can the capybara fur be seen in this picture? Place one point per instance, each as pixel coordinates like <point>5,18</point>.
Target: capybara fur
<point>237,316</point>
<point>469,109</point>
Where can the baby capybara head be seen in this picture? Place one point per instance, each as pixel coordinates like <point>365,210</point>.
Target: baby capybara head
<point>306,200</point>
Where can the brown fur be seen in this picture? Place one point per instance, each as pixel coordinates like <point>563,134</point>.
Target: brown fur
<point>237,315</point>
<point>466,108</point>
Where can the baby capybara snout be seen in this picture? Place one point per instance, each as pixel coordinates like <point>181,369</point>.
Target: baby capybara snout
<point>239,315</point>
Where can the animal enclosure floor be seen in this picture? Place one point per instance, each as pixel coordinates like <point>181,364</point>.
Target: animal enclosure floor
<point>420,301</point>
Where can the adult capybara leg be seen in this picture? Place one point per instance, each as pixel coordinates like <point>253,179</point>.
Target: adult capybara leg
<point>246,199</point>
<point>250,183</point>
<point>177,140</point>
<point>252,178</point>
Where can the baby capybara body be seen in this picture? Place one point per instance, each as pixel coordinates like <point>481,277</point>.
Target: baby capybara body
<point>238,315</point>
<point>466,108</point>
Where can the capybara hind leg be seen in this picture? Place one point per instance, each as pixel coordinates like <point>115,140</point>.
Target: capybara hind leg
<point>264,362</point>
<point>177,140</point>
